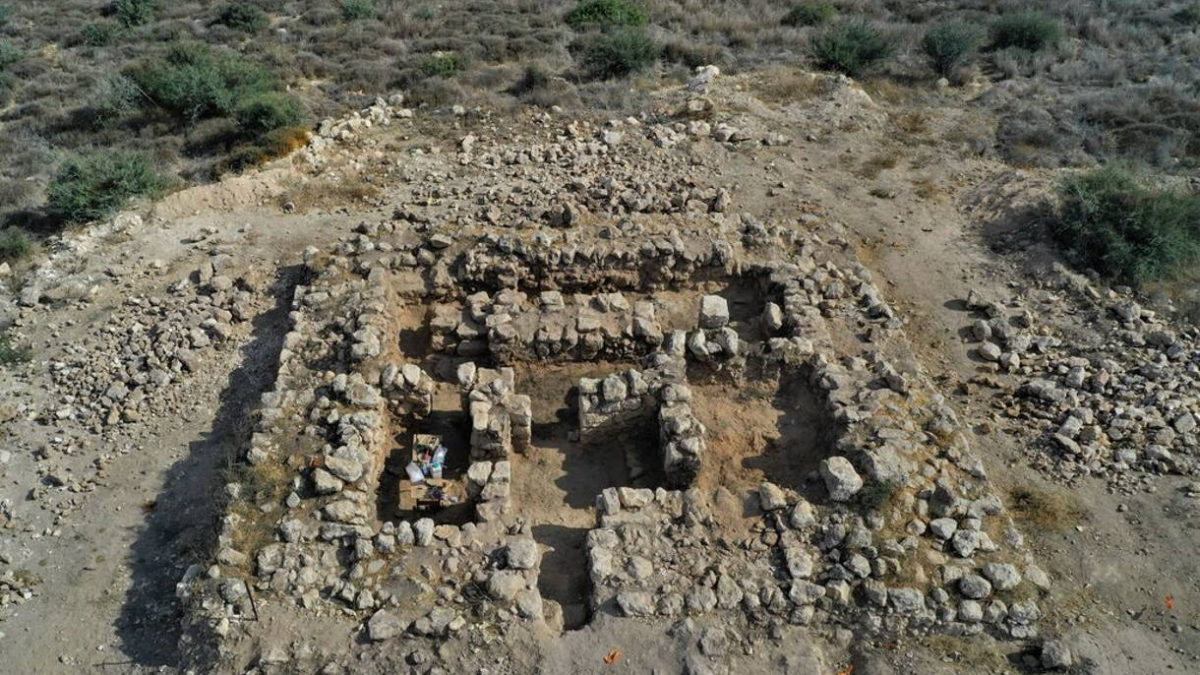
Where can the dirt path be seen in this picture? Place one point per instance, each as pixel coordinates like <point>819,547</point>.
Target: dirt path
<point>114,551</point>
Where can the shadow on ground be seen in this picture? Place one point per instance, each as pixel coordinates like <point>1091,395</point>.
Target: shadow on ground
<point>563,576</point>
<point>182,527</point>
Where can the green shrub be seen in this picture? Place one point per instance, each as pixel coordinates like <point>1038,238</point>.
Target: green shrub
<point>96,185</point>
<point>243,16</point>
<point>8,85</point>
<point>267,112</point>
<point>271,145</point>
<point>810,13</point>
<point>1189,15</point>
<point>950,45</point>
<point>10,55</point>
<point>99,33</point>
<point>606,14</point>
<point>441,64</point>
<point>877,495</point>
<point>1027,30</point>
<point>193,81</point>
<point>14,245</point>
<point>618,53</point>
<point>114,97</point>
<point>1110,223</point>
<point>354,10</point>
<point>5,14</point>
<point>11,354</point>
<point>851,47</point>
<point>131,13</point>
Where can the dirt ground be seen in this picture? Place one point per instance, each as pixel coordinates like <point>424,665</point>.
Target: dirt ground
<point>108,558</point>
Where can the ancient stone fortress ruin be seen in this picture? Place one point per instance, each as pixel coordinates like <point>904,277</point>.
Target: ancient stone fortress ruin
<point>576,382</point>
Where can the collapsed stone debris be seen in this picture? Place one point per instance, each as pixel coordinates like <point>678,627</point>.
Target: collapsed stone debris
<point>1113,405</point>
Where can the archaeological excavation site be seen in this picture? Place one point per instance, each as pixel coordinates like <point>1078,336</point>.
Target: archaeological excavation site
<point>741,373</point>
<point>669,412</point>
<point>557,431</point>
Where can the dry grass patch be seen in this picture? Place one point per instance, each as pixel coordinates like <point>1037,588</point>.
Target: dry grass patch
<point>788,85</point>
<point>325,194</point>
<point>878,163</point>
<point>911,127</point>
<point>886,90</point>
<point>928,189</point>
<point>981,652</point>
<point>1045,511</point>
<point>260,484</point>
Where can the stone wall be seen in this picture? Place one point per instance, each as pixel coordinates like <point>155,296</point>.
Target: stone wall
<point>657,397</point>
<point>501,419</point>
<point>500,261</point>
<point>511,327</point>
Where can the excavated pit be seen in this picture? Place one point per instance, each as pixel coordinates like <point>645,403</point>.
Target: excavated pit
<point>448,421</point>
<point>556,481</point>
<point>765,429</point>
<point>760,426</point>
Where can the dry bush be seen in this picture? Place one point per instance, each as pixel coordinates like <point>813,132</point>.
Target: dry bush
<point>539,86</point>
<point>879,162</point>
<point>1159,124</point>
<point>910,124</point>
<point>1032,136</point>
<point>928,189</point>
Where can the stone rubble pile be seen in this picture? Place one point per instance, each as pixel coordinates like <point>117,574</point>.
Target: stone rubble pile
<point>1109,389</point>
<point>16,588</point>
<point>130,366</point>
<point>409,390</point>
<point>331,132</point>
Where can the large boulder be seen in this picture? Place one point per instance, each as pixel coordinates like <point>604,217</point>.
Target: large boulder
<point>771,497</point>
<point>842,481</point>
<point>505,585</point>
<point>1003,576</point>
<point>383,625</point>
<point>635,603</point>
<point>714,312</point>
<point>522,554</point>
<point>1056,655</point>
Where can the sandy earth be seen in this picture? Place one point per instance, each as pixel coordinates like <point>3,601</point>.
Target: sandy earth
<point>108,567</point>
